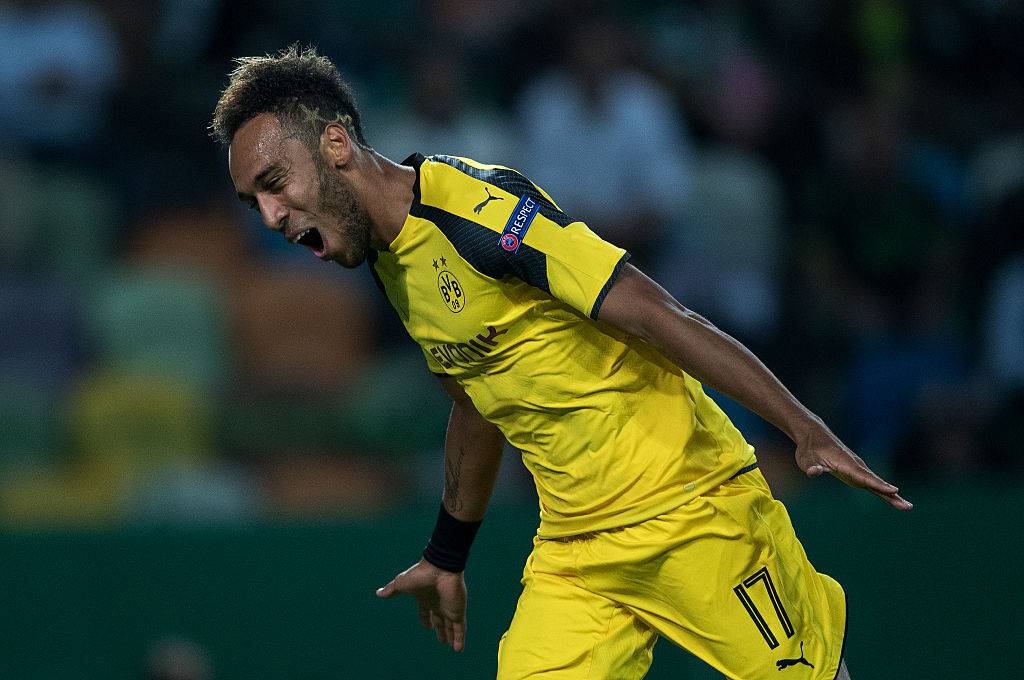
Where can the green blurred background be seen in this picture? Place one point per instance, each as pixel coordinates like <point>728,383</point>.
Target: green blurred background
<point>214,448</point>
<point>931,595</point>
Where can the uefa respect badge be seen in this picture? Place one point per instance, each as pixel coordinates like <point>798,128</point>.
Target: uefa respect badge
<point>518,223</point>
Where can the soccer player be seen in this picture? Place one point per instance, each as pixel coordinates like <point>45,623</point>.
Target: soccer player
<point>654,518</point>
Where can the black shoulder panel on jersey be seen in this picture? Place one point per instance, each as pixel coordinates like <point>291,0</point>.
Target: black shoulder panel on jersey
<point>608,285</point>
<point>512,182</point>
<point>480,246</point>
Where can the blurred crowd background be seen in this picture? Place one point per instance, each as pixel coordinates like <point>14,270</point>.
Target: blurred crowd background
<point>840,185</point>
<point>837,184</point>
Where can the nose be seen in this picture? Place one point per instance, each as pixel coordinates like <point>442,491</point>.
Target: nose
<point>273,212</point>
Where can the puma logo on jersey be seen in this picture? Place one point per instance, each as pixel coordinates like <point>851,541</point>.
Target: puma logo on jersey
<point>786,663</point>
<point>481,204</point>
<point>469,352</point>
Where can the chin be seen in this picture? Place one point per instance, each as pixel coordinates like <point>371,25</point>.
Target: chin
<point>350,260</point>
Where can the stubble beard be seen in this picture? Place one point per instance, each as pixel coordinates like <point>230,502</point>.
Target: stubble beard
<point>346,217</point>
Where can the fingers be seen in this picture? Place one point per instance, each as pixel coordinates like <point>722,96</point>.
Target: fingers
<point>449,632</point>
<point>440,601</point>
<point>895,500</point>
<point>458,636</point>
<point>816,470</point>
<point>389,590</point>
<point>424,614</point>
<point>437,623</point>
<point>866,479</point>
<point>869,480</point>
<point>443,628</point>
<point>851,470</point>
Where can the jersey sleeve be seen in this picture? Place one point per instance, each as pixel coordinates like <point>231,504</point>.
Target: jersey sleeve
<point>525,235</point>
<point>580,267</point>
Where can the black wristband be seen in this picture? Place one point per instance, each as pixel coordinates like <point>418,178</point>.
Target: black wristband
<point>449,545</point>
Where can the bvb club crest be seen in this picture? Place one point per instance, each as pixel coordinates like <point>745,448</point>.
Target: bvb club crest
<point>451,291</point>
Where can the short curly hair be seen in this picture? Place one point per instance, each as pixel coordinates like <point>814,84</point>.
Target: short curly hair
<point>302,88</point>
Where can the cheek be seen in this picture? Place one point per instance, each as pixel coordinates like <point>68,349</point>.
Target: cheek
<point>307,201</point>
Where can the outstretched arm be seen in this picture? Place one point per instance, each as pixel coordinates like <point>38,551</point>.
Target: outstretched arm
<point>472,455</point>
<point>639,306</point>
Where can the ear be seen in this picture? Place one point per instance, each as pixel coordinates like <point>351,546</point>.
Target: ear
<point>335,145</point>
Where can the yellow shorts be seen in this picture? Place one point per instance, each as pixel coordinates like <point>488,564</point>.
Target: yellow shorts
<point>722,576</point>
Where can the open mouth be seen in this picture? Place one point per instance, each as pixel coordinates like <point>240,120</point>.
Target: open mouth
<point>312,239</point>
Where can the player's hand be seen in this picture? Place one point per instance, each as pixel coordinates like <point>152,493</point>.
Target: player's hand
<point>820,451</point>
<point>440,597</point>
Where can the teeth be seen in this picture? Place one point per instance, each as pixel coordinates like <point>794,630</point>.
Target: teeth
<point>295,239</point>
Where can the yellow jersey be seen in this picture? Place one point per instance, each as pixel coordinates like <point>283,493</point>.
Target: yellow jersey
<point>501,289</point>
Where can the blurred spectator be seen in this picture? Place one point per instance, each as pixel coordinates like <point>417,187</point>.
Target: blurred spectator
<point>997,169</point>
<point>1004,325</point>
<point>184,30</point>
<point>16,228</point>
<point>443,118</point>
<point>941,436</point>
<point>607,142</point>
<point>479,23</point>
<point>41,333</point>
<point>726,261</point>
<point>161,323</point>
<point>58,64</point>
<point>70,239</point>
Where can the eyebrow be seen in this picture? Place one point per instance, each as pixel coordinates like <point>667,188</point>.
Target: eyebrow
<point>260,179</point>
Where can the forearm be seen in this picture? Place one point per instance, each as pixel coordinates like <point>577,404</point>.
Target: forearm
<point>472,456</point>
<point>720,361</point>
<point>639,306</point>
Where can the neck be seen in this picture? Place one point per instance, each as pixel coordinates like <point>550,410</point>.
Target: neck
<point>387,187</point>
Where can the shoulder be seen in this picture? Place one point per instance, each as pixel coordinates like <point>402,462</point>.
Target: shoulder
<point>471,169</point>
<point>475,206</point>
<point>514,185</point>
